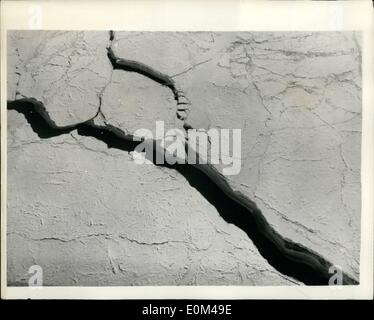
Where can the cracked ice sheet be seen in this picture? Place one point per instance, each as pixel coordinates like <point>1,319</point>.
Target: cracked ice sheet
<point>97,218</point>
<point>132,102</point>
<point>288,116</point>
<point>65,70</point>
<point>297,98</point>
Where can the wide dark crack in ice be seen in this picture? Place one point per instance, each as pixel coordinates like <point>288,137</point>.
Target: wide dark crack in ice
<point>288,257</point>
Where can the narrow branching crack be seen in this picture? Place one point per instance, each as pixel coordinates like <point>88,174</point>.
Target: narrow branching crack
<point>135,66</point>
<point>290,258</point>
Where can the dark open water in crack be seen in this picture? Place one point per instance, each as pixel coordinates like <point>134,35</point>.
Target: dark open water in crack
<point>289,258</point>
